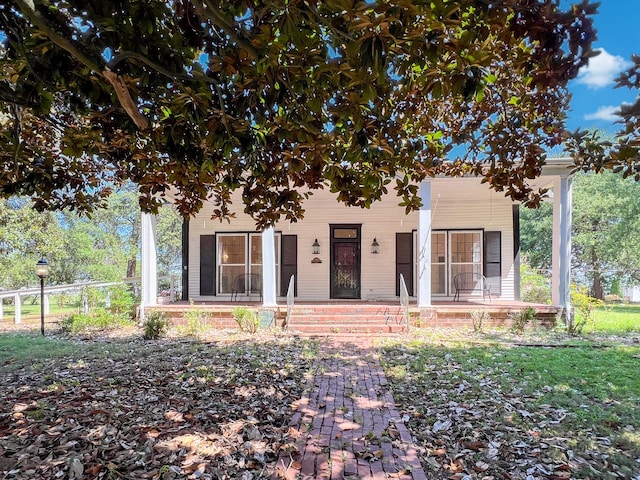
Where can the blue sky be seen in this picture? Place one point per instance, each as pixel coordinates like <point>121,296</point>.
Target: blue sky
<point>594,96</point>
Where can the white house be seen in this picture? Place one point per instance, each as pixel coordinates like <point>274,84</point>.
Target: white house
<point>338,252</point>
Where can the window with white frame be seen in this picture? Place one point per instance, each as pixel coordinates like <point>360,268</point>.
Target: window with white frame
<point>238,255</point>
<point>465,253</point>
<point>452,252</point>
<point>439,263</point>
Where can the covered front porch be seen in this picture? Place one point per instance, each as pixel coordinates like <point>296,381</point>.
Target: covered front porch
<point>476,230</point>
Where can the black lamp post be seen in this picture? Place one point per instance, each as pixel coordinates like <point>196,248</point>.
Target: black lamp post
<point>42,270</point>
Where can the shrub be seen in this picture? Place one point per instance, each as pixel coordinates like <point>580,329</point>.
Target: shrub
<point>96,320</point>
<point>95,296</point>
<point>616,287</point>
<point>613,298</point>
<point>520,319</point>
<point>247,320</point>
<point>155,325</point>
<point>585,307</point>
<point>197,322</point>
<point>63,299</point>
<point>121,299</point>
<point>534,287</point>
<point>479,317</point>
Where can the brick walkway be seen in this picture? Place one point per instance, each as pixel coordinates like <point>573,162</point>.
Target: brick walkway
<point>347,426</point>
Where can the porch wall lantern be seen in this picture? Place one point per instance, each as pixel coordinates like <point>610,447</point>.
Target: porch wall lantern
<point>42,270</point>
<point>375,246</point>
<point>315,247</point>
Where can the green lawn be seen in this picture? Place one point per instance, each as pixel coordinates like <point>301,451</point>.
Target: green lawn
<point>29,310</point>
<point>615,319</point>
<point>21,349</point>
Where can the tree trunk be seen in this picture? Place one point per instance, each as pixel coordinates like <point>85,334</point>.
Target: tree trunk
<point>131,267</point>
<point>596,288</point>
<point>134,240</point>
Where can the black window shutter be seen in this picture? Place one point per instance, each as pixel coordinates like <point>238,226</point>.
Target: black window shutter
<point>288,264</point>
<point>404,261</point>
<point>493,261</point>
<point>207,264</point>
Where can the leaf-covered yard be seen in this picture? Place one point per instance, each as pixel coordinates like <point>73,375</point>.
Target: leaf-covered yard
<point>478,406</point>
<point>491,411</point>
<point>132,409</point>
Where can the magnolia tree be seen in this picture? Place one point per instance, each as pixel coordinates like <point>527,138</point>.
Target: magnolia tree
<point>279,98</point>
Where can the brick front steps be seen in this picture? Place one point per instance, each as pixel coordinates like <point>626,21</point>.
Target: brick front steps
<point>361,318</point>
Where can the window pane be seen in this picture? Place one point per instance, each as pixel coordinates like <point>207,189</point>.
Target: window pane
<point>438,282</point>
<point>255,279</point>
<point>462,268</point>
<point>228,275</point>
<point>256,249</point>
<point>345,233</point>
<point>231,260</point>
<point>231,250</point>
<point>438,248</point>
<point>466,248</point>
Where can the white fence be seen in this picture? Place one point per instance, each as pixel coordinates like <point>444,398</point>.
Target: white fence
<point>631,293</point>
<point>18,295</point>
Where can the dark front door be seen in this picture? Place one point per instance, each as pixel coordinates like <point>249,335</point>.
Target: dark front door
<point>345,261</point>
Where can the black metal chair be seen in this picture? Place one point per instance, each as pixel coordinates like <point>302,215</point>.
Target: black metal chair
<point>470,282</point>
<point>246,284</point>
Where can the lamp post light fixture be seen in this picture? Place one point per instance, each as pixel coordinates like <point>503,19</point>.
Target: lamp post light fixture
<point>315,247</point>
<point>375,246</point>
<point>42,270</point>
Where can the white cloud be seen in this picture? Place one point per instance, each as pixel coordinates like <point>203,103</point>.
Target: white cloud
<point>602,69</point>
<point>606,114</point>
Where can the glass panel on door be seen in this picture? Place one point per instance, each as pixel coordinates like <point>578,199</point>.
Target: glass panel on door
<point>466,254</point>
<point>231,260</point>
<point>439,263</point>
<point>345,272</point>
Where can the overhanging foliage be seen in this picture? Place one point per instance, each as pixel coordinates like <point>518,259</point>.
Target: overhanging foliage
<point>201,97</point>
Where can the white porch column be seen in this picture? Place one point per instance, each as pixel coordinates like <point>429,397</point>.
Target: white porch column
<point>561,243</point>
<point>424,246</point>
<point>268,268</point>
<point>149,278</point>
<point>1,308</point>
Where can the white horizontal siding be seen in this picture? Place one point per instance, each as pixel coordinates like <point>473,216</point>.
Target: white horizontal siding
<point>491,216</point>
<point>456,204</point>
<point>381,221</point>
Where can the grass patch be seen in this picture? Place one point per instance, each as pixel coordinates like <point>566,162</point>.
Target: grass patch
<point>575,407</point>
<point>616,319</point>
<point>96,320</point>
<point>23,347</point>
<point>21,352</point>
<point>29,310</point>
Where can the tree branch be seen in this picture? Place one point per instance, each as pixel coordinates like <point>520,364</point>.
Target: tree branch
<point>122,91</point>
<point>207,9</point>
<point>34,16</point>
<point>115,80</point>
<point>158,68</point>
